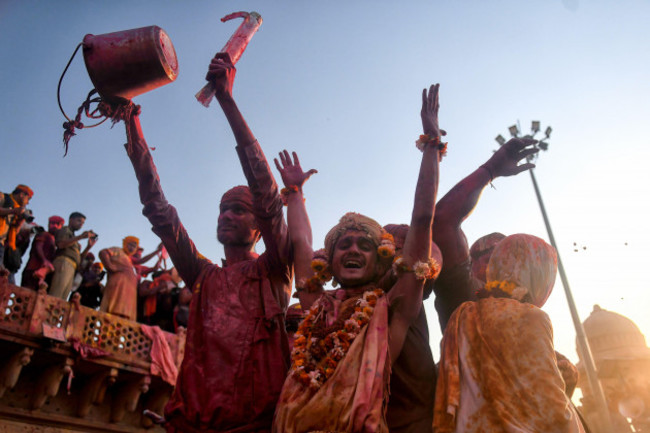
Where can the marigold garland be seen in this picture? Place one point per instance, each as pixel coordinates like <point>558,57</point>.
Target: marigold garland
<point>425,139</point>
<point>505,286</point>
<point>386,248</point>
<point>313,359</point>
<point>428,270</point>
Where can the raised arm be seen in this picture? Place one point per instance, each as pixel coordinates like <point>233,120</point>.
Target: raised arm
<point>406,295</point>
<point>299,227</point>
<point>267,201</point>
<point>461,200</point>
<point>161,214</point>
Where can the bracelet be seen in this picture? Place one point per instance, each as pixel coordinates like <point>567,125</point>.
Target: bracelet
<point>426,139</point>
<point>428,270</point>
<point>285,192</point>
<point>490,173</point>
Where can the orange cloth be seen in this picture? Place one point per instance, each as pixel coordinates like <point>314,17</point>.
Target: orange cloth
<point>498,371</point>
<point>354,398</point>
<point>121,291</point>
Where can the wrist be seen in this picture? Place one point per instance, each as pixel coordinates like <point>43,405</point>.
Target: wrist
<point>489,170</point>
<point>291,192</point>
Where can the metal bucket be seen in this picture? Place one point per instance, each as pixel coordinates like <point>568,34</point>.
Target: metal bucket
<point>131,62</point>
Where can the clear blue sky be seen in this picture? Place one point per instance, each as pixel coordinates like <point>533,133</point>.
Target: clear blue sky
<point>340,83</point>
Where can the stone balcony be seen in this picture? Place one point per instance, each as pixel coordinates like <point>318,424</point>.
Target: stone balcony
<point>68,368</point>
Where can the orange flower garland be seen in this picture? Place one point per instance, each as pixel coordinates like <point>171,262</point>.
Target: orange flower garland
<point>428,270</point>
<point>314,360</point>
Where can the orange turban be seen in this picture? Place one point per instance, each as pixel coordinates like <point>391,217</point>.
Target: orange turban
<point>25,189</point>
<point>526,261</point>
<point>130,239</point>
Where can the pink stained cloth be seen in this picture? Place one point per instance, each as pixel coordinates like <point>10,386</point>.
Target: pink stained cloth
<point>498,370</point>
<point>237,349</point>
<point>162,359</point>
<point>121,291</point>
<point>354,398</point>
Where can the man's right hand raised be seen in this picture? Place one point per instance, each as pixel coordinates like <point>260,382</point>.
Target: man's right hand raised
<point>505,161</point>
<point>221,73</point>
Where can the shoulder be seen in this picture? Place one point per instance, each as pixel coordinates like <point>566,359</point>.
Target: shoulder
<point>64,233</point>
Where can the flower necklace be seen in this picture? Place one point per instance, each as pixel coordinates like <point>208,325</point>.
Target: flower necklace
<point>315,357</point>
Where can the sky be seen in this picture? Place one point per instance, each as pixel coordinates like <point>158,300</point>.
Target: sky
<point>340,83</point>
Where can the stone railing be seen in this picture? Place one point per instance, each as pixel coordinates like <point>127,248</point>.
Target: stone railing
<point>106,360</point>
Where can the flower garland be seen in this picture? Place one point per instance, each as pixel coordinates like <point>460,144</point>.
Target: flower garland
<point>428,270</point>
<point>386,246</point>
<point>425,139</point>
<point>507,287</point>
<point>314,359</point>
<point>504,286</point>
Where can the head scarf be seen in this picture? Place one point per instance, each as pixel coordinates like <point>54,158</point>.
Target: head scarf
<point>353,221</point>
<point>485,243</point>
<point>240,194</point>
<point>526,261</point>
<point>55,219</point>
<point>130,239</point>
<point>25,189</point>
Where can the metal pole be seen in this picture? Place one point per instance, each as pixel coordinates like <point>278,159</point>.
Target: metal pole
<point>583,344</point>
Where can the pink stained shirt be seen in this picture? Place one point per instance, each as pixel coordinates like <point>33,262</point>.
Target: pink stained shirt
<point>237,351</point>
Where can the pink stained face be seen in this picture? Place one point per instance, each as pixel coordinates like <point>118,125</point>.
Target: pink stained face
<point>354,262</point>
<point>236,224</point>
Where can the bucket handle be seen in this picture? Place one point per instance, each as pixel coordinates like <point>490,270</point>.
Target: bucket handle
<point>70,125</point>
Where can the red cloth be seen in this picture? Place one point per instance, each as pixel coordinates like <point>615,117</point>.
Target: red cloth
<point>237,350</point>
<point>49,248</point>
<point>162,359</point>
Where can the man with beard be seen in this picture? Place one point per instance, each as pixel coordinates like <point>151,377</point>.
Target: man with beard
<point>237,352</point>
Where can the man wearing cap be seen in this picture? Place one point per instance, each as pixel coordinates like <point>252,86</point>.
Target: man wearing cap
<point>68,254</point>
<point>12,206</point>
<point>41,255</point>
<point>237,351</point>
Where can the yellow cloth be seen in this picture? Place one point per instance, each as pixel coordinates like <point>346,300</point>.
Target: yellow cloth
<point>498,371</point>
<point>354,398</point>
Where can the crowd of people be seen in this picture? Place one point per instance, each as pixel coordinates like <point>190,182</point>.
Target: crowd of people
<point>359,359</point>
<point>118,283</point>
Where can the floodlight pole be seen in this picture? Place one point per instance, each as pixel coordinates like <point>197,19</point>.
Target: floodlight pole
<point>581,338</point>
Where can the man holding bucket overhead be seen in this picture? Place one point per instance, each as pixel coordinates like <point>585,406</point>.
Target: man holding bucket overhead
<point>237,352</point>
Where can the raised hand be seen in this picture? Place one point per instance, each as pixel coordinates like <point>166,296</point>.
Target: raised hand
<point>505,161</point>
<point>291,172</point>
<point>221,73</point>
<point>429,112</point>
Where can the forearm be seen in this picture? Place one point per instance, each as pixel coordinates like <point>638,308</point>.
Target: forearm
<point>65,243</point>
<point>159,212</point>
<point>267,204</point>
<point>7,211</point>
<point>301,239</point>
<point>417,245</point>
<point>451,211</point>
<point>461,200</point>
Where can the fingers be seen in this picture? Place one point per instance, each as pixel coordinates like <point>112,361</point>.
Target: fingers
<point>296,161</point>
<point>524,167</point>
<point>310,173</point>
<point>286,159</point>
<point>527,152</point>
<point>225,57</point>
<point>443,132</point>
<point>277,164</point>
